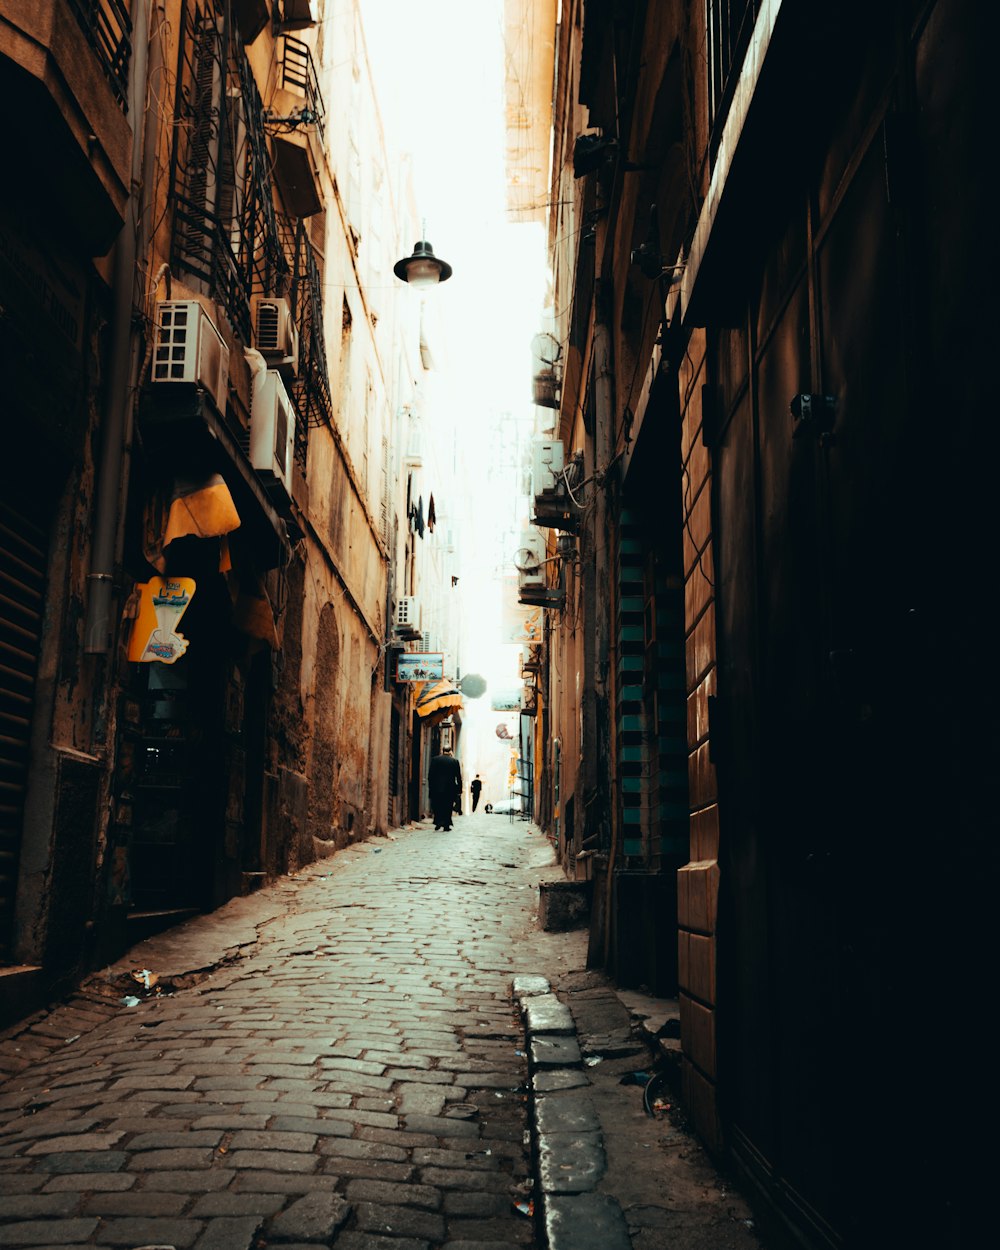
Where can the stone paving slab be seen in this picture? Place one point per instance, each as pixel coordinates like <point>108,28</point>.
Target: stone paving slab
<point>355,1074</point>
<point>352,1076</point>
<point>585,1222</point>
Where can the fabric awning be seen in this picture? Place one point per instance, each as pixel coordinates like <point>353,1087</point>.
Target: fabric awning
<point>437,696</point>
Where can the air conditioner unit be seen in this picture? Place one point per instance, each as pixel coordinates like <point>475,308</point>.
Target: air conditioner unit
<point>408,617</point>
<point>529,559</point>
<point>546,465</point>
<point>272,430</point>
<point>414,453</point>
<point>275,334</point>
<point>531,578</point>
<point>188,349</point>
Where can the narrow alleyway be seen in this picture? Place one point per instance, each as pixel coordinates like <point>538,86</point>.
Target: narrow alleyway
<point>356,1077</point>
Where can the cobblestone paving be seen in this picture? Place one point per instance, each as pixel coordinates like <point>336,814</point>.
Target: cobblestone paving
<point>357,1080</point>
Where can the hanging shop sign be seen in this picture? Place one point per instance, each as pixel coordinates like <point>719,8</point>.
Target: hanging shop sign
<point>420,666</point>
<point>506,701</point>
<point>162,603</point>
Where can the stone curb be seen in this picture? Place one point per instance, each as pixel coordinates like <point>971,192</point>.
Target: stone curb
<point>566,1133</point>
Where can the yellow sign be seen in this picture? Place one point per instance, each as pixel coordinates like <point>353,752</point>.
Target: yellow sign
<point>162,603</point>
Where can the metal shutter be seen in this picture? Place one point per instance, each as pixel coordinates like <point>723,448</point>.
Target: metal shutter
<point>23,548</point>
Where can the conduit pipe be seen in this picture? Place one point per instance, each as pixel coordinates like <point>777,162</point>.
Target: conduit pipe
<point>115,434</point>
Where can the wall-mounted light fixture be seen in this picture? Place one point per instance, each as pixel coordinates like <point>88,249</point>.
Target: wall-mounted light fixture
<point>590,151</point>
<point>648,257</point>
<point>652,265</point>
<point>813,413</point>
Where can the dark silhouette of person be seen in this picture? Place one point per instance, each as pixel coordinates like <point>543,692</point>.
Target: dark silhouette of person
<point>444,781</point>
<point>475,788</point>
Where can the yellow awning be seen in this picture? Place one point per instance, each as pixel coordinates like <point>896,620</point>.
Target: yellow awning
<point>436,696</point>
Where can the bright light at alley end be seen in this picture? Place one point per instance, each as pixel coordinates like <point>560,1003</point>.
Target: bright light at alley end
<point>423,269</point>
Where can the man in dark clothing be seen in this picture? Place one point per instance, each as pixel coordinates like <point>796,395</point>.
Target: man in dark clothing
<point>444,781</point>
<point>476,787</point>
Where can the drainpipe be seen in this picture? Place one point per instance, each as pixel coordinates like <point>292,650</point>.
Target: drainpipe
<point>116,424</point>
<point>603,821</point>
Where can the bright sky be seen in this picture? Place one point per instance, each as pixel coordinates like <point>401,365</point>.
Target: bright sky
<point>438,68</point>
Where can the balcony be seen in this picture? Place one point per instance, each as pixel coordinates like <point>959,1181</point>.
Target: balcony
<point>107,27</point>
<point>310,387</point>
<point>296,121</point>
<point>71,144</point>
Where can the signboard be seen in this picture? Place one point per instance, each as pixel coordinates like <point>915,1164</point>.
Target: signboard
<point>506,701</point>
<point>420,666</point>
<point>162,603</point>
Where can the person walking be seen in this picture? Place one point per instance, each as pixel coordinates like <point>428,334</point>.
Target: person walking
<point>444,781</point>
<point>475,788</point>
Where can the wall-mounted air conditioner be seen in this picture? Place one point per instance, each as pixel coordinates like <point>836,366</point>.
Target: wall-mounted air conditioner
<point>529,559</point>
<point>188,349</point>
<point>546,465</point>
<point>408,617</point>
<point>530,657</point>
<point>275,334</point>
<point>272,430</point>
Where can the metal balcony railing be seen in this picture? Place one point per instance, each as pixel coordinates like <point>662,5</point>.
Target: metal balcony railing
<point>730,26</point>
<point>225,231</point>
<point>310,390</point>
<point>298,74</point>
<point>108,28</point>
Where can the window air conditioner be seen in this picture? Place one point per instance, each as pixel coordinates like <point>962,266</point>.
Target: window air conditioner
<point>187,348</point>
<point>276,336</point>
<point>272,430</point>
<point>546,465</point>
<point>408,617</point>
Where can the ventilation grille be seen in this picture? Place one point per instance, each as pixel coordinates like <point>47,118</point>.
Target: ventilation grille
<point>268,327</point>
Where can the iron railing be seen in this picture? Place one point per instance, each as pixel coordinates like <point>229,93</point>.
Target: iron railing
<point>225,230</point>
<point>108,29</point>
<point>310,390</point>
<point>298,73</point>
<point>730,27</point>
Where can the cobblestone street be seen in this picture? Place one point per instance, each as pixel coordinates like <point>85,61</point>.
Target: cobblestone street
<point>357,1078</point>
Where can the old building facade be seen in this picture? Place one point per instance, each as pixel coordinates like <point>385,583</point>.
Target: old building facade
<point>207,358</point>
<point>766,257</point>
